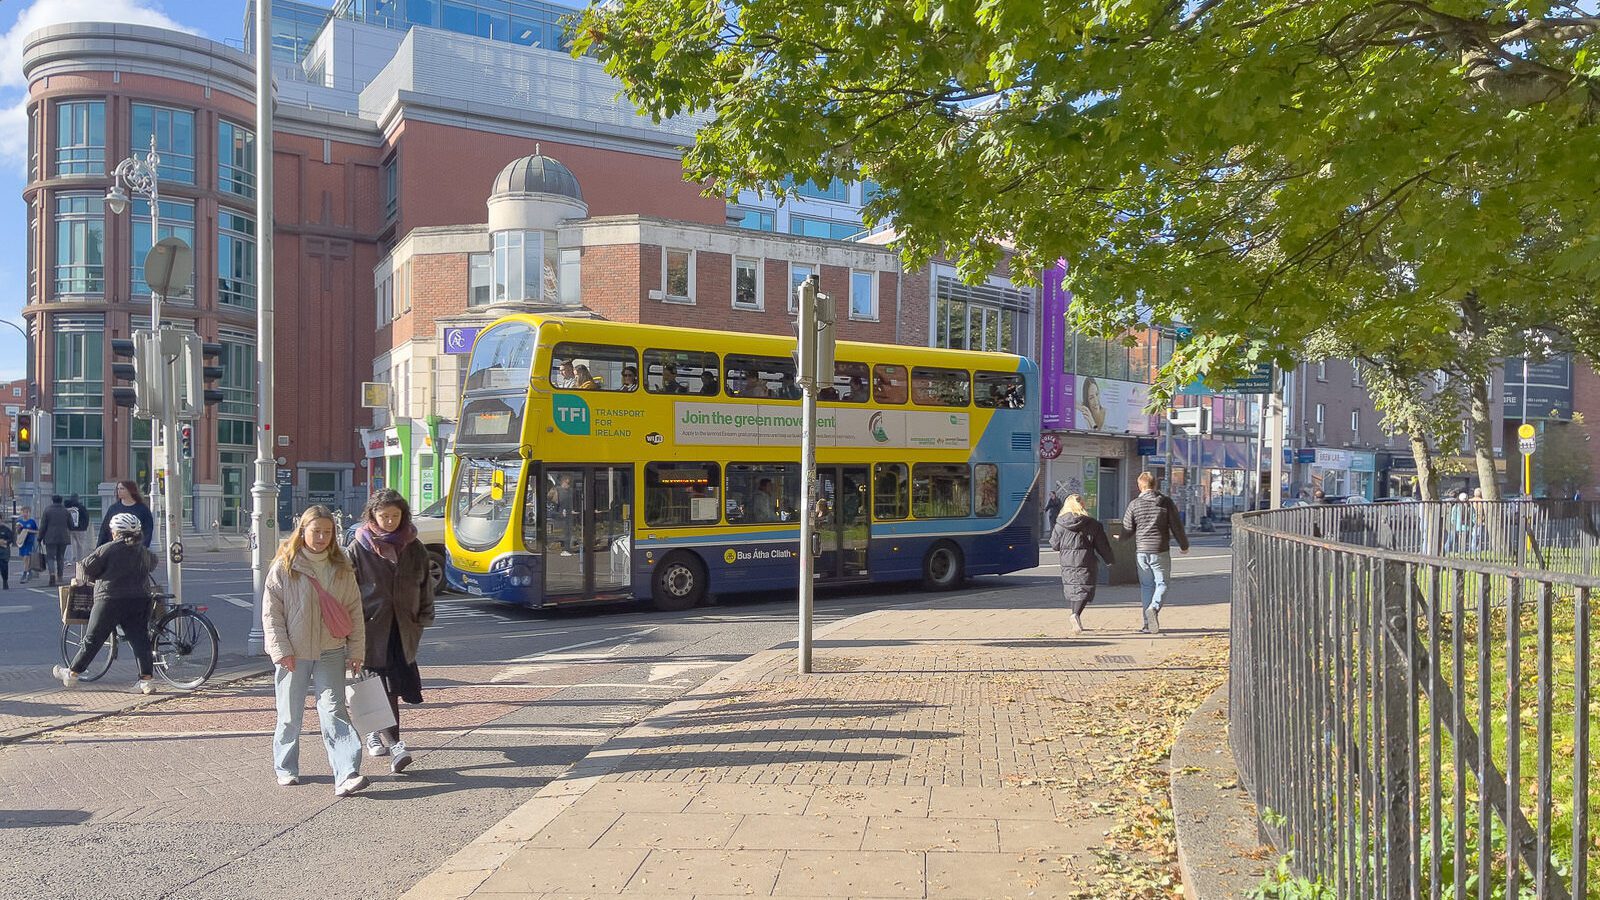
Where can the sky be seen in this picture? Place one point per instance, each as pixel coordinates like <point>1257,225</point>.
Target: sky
<point>216,19</point>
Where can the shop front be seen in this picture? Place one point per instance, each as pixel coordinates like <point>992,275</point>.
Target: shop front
<point>1363,474</point>
<point>1100,468</point>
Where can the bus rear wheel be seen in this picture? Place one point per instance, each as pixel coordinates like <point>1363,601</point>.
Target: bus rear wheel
<point>942,567</point>
<point>679,583</point>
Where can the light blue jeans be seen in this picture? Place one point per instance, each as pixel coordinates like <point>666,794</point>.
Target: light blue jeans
<point>338,734</point>
<point>1154,570</point>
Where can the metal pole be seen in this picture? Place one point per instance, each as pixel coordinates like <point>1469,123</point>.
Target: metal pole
<point>1275,403</point>
<point>807,352</point>
<point>171,529</point>
<point>1527,467</point>
<point>264,493</point>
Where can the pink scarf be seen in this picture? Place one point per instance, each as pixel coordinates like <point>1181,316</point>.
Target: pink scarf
<point>386,544</point>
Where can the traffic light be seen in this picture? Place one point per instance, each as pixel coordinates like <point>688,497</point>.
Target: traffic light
<point>210,373</point>
<point>186,440</point>
<point>141,371</point>
<point>24,433</point>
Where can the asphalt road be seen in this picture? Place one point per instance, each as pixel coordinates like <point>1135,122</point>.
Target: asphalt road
<point>178,800</point>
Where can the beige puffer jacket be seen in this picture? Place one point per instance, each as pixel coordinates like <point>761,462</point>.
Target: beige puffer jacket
<point>291,615</point>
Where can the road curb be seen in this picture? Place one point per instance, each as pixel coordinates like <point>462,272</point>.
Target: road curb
<point>139,701</point>
<point>1212,813</point>
<point>468,868</point>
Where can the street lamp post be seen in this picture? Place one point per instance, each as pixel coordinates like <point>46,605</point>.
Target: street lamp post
<point>264,493</point>
<point>142,176</point>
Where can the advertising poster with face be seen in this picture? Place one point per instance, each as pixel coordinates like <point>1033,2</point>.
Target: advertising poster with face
<point>1110,406</point>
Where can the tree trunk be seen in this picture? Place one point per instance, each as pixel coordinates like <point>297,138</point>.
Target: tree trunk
<point>1427,467</point>
<point>1483,440</point>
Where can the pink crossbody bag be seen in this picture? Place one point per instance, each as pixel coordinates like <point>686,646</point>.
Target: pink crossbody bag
<point>334,617</point>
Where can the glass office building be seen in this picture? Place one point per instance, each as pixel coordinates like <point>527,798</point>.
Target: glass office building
<point>526,23</point>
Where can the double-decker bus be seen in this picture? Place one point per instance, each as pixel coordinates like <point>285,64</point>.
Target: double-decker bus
<point>602,461</point>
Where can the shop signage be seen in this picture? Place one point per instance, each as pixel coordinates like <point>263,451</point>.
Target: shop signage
<point>1337,460</point>
<point>460,340</point>
<point>285,477</point>
<point>1257,382</point>
<point>1049,446</point>
<point>1306,455</point>
<point>1108,405</point>
<point>1145,447</point>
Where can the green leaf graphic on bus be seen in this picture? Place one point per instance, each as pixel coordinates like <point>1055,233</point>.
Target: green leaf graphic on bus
<point>875,425</point>
<point>571,413</point>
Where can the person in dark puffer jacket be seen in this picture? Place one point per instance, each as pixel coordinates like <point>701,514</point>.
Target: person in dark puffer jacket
<point>1152,519</point>
<point>1081,541</point>
<point>120,570</point>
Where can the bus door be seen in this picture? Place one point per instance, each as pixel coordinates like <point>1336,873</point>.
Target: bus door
<point>588,538</point>
<point>844,526</point>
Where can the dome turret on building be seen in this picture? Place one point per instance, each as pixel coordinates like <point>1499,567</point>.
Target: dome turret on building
<point>537,174</point>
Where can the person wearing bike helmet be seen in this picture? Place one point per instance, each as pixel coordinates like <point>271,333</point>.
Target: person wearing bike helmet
<point>120,570</point>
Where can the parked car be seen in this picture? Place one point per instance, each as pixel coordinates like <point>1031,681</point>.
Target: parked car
<point>430,531</point>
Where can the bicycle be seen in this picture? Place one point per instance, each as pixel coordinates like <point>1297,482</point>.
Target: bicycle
<point>183,644</point>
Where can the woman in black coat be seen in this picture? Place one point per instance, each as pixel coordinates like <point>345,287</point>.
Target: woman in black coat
<point>129,501</point>
<point>397,599</point>
<point>1080,539</point>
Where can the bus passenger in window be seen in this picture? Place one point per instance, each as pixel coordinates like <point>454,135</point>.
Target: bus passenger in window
<point>764,504</point>
<point>669,381</point>
<point>708,383</point>
<point>756,387</point>
<point>630,378</point>
<point>787,389</point>
<point>566,376</point>
<point>586,381</point>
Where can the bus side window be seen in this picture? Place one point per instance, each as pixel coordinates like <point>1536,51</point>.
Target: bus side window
<point>987,476</point>
<point>680,372</point>
<point>891,498</point>
<point>849,383</point>
<point>686,493</point>
<point>940,387</point>
<point>593,367</point>
<point>999,390</point>
<point>889,384</point>
<point>761,377</point>
<point>941,491</point>
<point>763,493</point>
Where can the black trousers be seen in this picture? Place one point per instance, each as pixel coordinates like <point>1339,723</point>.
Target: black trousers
<point>5,570</point>
<point>133,616</point>
<point>57,554</point>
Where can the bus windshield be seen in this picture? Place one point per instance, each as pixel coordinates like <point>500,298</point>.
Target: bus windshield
<point>502,359</point>
<point>483,500</point>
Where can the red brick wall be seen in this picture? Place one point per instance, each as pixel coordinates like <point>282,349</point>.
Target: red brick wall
<point>612,281</point>
<point>1586,400</point>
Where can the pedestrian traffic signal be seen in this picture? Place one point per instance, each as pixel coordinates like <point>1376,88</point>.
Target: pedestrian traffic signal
<point>24,433</point>
<point>186,440</point>
<point>212,372</point>
<point>141,371</point>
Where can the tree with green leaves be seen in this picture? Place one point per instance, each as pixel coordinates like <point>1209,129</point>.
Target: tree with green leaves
<point>1564,460</point>
<point>1417,174</point>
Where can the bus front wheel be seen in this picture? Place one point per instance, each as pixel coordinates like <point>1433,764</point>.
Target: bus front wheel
<point>942,567</point>
<point>679,583</point>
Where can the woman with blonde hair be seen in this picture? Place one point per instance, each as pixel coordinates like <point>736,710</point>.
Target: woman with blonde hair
<point>1079,538</point>
<point>312,616</point>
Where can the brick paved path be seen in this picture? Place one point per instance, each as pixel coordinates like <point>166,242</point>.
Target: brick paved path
<point>962,750</point>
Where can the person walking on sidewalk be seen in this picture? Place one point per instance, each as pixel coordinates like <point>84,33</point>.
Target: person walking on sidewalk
<point>27,539</point>
<point>311,614</point>
<point>1052,510</point>
<point>1152,518</point>
<point>120,570</point>
<point>1081,541</point>
<point>130,501</point>
<point>79,528</point>
<point>397,596</point>
<point>55,533</point>
<point>8,537</point>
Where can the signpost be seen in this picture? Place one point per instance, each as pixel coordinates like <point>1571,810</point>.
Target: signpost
<point>1527,443</point>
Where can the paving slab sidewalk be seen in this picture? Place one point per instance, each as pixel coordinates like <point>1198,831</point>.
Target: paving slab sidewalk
<point>948,749</point>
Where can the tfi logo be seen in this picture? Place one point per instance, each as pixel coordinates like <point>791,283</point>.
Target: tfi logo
<point>571,413</point>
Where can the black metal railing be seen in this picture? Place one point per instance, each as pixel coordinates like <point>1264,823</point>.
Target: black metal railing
<point>1411,695</point>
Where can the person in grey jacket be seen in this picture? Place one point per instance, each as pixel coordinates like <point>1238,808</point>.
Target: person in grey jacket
<point>1081,541</point>
<point>397,596</point>
<point>55,532</point>
<point>1152,519</point>
<point>120,570</point>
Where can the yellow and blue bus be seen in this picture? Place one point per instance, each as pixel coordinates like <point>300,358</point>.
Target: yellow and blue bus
<point>603,461</point>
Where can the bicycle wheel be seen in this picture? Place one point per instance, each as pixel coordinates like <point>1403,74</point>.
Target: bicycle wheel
<point>73,636</point>
<point>184,647</point>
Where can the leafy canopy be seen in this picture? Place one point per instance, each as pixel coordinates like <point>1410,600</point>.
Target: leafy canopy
<point>1263,170</point>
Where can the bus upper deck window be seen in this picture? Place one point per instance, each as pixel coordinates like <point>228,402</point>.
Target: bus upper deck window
<point>889,384</point>
<point>999,390</point>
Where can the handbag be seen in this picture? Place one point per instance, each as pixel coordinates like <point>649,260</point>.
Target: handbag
<point>334,616</point>
<point>76,602</point>
<point>368,703</point>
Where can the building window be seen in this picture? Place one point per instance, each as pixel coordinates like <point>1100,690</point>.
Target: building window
<point>1355,424</point>
<point>994,317</point>
<point>402,289</point>
<point>570,281</point>
<point>236,260</point>
<point>870,191</point>
<point>1321,420</point>
<point>863,295</point>
<point>174,131</point>
<point>480,274</point>
<point>823,228</point>
<point>80,244</point>
<point>238,382</point>
<point>758,220</point>
<point>1355,373</point>
<point>33,256</point>
<point>677,275</point>
<point>836,191</point>
<point>383,293</point>
<point>80,469</point>
<point>798,273</point>
<point>747,292</point>
<point>236,160</point>
<point>1322,370</point>
<point>81,138</point>
<point>79,363</point>
<point>518,265</point>
<point>177,220</point>
<point>389,186</point>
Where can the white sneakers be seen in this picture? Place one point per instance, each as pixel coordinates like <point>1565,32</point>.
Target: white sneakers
<point>145,686</point>
<point>66,676</point>
<point>288,780</point>
<point>375,746</point>
<point>350,785</point>
<point>401,757</point>
<point>1077,623</point>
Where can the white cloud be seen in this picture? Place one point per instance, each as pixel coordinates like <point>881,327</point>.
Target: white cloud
<point>56,12</point>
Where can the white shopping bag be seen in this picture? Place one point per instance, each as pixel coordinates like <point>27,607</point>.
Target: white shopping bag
<point>368,704</point>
